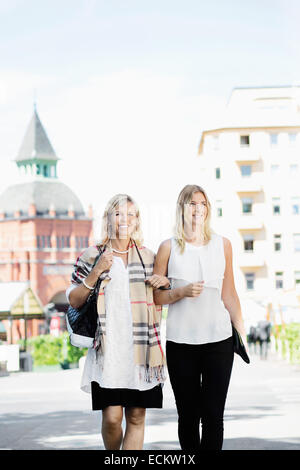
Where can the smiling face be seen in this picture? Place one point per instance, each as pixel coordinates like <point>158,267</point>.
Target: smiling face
<point>195,213</point>
<point>123,220</point>
<point>198,205</point>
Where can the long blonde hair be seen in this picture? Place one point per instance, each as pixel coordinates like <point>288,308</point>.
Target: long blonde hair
<point>185,197</point>
<point>115,201</point>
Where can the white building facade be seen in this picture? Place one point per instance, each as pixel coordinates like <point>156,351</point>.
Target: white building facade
<point>250,168</point>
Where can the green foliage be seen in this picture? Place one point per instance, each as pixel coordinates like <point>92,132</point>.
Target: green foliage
<point>164,312</point>
<point>50,350</point>
<point>73,353</point>
<point>289,335</point>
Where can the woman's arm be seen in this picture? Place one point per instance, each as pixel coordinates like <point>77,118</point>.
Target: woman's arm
<point>79,295</point>
<point>165,297</point>
<point>229,295</point>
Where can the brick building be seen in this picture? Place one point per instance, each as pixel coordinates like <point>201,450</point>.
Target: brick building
<point>43,226</point>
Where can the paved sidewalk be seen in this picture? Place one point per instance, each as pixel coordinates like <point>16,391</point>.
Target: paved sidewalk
<point>49,411</point>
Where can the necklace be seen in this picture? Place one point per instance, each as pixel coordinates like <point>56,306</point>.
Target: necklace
<point>118,251</point>
<point>121,252</point>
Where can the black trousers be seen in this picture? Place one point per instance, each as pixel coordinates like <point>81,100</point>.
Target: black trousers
<point>199,376</point>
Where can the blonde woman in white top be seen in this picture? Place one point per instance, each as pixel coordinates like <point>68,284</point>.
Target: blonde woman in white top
<point>203,303</point>
<point>124,371</point>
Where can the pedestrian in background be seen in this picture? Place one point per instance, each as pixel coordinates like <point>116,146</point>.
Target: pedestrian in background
<point>125,368</point>
<point>252,339</point>
<point>263,335</point>
<point>202,304</point>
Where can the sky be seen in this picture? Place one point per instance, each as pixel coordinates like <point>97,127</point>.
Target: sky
<point>124,89</point>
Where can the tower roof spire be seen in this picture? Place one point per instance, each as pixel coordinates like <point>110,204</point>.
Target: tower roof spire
<point>36,144</point>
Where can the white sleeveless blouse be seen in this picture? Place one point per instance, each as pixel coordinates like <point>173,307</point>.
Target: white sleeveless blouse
<point>203,319</point>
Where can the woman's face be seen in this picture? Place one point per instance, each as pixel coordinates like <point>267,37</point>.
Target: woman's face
<point>124,220</point>
<point>198,206</point>
<point>195,212</point>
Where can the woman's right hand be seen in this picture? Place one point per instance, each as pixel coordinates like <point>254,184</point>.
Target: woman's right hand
<point>104,262</point>
<point>194,289</point>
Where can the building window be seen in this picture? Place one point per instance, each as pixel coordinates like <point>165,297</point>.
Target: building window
<point>247,203</point>
<point>219,208</point>
<point>218,173</point>
<point>277,242</point>
<point>297,281</point>
<point>244,140</point>
<point>248,243</point>
<point>292,139</point>
<point>279,280</point>
<point>295,205</point>
<point>273,139</point>
<point>43,241</point>
<point>246,170</point>
<point>215,142</point>
<point>274,170</point>
<point>62,242</point>
<point>296,237</point>
<point>249,277</point>
<point>81,242</point>
<point>294,170</point>
<point>276,205</point>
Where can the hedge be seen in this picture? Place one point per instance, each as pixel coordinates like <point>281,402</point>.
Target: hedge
<point>289,335</point>
<point>51,350</point>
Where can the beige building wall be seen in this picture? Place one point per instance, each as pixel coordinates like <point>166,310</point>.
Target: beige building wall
<point>250,166</point>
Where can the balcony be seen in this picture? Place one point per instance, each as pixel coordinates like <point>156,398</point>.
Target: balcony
<point>249,222</point>
<point>247,154</point>
<point>251,260</point>
<point>249,184</point>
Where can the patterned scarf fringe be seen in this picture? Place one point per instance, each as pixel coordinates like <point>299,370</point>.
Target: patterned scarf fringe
<point>151,373</point>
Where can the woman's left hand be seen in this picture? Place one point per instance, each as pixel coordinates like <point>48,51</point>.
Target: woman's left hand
<point>157,281</point>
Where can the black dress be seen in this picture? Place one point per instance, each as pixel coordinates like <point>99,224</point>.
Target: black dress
<point>103,397</point>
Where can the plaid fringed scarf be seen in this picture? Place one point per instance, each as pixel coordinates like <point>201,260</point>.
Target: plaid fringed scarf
<point>146,316</point>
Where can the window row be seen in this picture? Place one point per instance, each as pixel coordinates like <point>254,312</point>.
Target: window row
<point>277,242</point>
<point>62,241</point>
<point>246,170</point>
<point>47,170</point>
<point>278,281</point>
<point>247,205</point>
<point>245,140</point>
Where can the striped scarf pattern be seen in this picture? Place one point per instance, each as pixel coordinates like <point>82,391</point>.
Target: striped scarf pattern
<point>146,316</point>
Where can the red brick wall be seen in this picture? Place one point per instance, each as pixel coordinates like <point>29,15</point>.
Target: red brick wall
<point>48,269</point>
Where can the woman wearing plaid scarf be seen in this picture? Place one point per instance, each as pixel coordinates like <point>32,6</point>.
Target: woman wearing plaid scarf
<point>125,368</point>
<point>202,304</point>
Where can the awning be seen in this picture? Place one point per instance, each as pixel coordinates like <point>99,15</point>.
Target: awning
<point>18,300</point>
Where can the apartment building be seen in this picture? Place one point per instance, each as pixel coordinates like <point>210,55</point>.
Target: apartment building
<point>250,166</point>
